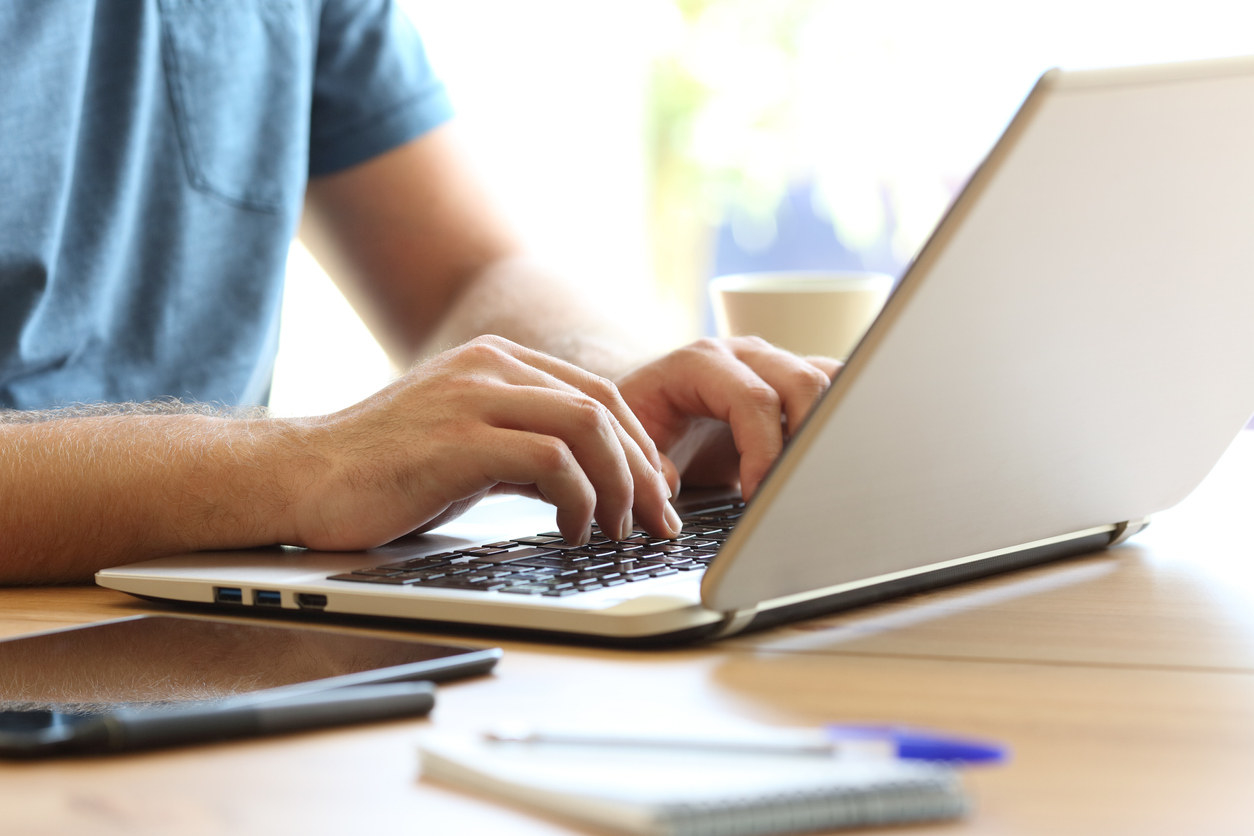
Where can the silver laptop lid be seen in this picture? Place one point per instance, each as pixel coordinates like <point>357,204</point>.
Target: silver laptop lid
<point>1073,348</point>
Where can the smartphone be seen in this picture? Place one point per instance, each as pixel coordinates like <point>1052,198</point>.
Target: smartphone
<point>156,679</point>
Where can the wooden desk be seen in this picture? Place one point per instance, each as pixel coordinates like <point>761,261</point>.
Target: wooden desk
<point>1123,683</point>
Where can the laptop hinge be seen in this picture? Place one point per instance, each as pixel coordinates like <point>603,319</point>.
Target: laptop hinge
<point>733,622</point>
<point>1127,528</point>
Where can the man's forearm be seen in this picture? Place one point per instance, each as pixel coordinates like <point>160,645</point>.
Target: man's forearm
<point>421,250</point>
<point>81,493</point>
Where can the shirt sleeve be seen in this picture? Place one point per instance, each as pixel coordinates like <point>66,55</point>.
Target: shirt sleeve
<point>374,88</point>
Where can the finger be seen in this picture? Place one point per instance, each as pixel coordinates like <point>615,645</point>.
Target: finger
<point>730,391</point>
<point>525,459</point>
<point>651,491</point>
<point>799,383</point>
<point>610,461</point>
<point>829,366</point>
<point>581,380</point>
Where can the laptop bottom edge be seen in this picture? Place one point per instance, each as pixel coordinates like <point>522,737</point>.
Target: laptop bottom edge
<point>926,582</point>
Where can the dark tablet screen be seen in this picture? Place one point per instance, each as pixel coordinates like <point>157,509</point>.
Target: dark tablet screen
<point>165,660</point>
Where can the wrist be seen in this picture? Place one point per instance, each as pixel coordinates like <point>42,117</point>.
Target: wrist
<point>252,483</point>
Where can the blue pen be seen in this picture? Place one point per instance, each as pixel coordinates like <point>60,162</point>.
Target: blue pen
<point>916,744</point>
<point>829,741</point>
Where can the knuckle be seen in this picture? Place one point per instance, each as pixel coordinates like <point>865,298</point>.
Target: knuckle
<point>703,353</point>
<point>606,402</point>
<point>754,343</point>
<point>601,388</point>
<point>484,351</point>
<point>492,340</point>
<point>808,377</point>
<point>590,415</point>
<point>709,345</point>
<point>551,455</point>
<point>762,397</point>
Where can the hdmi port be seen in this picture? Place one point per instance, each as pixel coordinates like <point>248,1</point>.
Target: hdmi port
<point>311,601</point>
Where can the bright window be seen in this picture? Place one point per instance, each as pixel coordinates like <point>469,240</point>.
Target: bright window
<point>644,144</point>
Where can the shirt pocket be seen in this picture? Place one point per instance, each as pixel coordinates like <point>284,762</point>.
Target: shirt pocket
<point>238,75</point>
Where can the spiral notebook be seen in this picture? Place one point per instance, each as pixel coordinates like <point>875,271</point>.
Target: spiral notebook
<point>647,792</point>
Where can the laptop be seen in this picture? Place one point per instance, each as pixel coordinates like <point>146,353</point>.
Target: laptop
<point>1070,353</point>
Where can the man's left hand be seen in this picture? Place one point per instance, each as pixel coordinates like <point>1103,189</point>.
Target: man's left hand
<point>720,410</point>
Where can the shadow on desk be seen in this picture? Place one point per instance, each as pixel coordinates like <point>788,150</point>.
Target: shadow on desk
<point>1124,607</point>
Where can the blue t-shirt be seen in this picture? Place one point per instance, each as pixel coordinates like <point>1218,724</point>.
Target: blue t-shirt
<point>153,162</point>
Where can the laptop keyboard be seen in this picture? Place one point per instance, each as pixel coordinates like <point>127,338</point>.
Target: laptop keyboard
<point>545,564</point>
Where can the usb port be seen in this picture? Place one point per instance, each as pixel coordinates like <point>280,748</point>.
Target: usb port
<point>228,595</point>
<point>267,598</point>
<point>311,601</point>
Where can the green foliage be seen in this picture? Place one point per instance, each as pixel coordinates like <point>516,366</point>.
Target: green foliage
<point>722,98</point>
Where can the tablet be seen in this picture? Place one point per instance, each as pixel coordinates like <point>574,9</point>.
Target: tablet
<point>153,660</point>
<point>165,680</point>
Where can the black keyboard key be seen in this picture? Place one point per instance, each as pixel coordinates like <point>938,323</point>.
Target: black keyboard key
<point>584,580</point>
<point>546,562</point>
<point>472,583</point>
<point>634,568</point>
<point>423,574</point>
<point>539,575</point>
<point>363,578</point>
<point>430,560</point>
<point>518,554</point>
<point>539,540</point>
<point>573,547</point>
<point>595,564</point>
<point>488,551</point>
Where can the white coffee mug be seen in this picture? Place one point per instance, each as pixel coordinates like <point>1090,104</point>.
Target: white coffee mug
<point>810,313</point>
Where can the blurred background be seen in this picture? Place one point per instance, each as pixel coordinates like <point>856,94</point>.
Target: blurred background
<point>644,146</point>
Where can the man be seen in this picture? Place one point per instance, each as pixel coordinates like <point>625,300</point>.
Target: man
<point>156,157</point>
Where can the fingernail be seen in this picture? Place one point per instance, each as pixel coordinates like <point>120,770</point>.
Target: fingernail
<point>582,538</point>
<point>625,530</point>
<point>672,519</point>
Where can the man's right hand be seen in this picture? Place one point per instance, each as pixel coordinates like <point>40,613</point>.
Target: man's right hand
<point>486,416</point>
